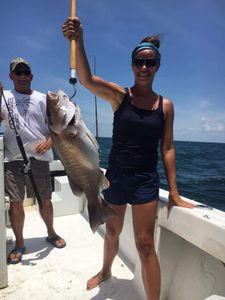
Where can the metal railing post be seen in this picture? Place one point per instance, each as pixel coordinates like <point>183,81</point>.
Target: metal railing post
<point>3,262</point>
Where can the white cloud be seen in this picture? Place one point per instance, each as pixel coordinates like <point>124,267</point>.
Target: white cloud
<point>212,125</point>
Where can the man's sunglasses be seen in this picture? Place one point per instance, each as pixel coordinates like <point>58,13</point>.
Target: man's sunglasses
<point>148,62</point>
<point>22,72</point>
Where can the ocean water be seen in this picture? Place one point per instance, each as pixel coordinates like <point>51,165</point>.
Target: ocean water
<point>200,170</point>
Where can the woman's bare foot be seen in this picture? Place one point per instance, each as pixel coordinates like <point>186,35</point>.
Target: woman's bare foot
<point>97,279</point>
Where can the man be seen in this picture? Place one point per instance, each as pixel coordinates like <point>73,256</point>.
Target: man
<point>26,108</point>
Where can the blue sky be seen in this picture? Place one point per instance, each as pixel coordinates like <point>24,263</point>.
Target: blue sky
<point>192,72</point>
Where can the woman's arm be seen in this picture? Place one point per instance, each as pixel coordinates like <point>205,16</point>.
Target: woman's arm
<point>168,156</point>
<point>111,92</point>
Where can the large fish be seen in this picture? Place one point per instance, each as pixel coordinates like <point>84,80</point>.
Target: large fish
<point>78,151</point>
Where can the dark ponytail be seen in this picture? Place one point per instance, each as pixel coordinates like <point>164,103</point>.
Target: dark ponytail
<point>155,39</point>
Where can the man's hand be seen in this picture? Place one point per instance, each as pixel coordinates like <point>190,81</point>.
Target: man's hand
<point>44,146</point>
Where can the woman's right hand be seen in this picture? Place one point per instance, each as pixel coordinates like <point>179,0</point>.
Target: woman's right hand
<point>72,29</point>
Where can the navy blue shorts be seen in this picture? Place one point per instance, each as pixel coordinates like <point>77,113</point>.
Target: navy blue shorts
<point>131,186</point>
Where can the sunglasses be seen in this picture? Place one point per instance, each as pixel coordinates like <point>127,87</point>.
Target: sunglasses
<point>148,62</point>
<point>22,72</point>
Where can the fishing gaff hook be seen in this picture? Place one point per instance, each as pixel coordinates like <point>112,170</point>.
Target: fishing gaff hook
<point>73,81</point>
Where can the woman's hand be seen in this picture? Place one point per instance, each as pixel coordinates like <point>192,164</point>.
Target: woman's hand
<point>72,29</point>
<point>176,200</point>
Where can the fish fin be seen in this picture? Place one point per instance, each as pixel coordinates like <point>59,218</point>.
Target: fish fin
<point>74,187</point>
<point>100,214</point>
<point>103,181</point>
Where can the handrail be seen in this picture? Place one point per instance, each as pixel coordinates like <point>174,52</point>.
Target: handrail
<point>3,264</point>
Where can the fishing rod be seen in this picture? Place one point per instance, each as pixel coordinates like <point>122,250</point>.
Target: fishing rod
<point>26,168</point>
<point>73,79</point>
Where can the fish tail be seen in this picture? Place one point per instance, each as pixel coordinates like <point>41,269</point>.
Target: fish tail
<point>100,214</point>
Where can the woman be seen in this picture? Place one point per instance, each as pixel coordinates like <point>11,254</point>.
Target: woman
<point>142,118</point>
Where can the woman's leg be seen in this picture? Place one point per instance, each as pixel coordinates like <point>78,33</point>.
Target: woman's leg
<point>111,244</point>
<point>144,216</point>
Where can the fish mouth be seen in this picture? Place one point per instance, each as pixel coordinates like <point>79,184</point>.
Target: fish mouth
<point>53,97</point>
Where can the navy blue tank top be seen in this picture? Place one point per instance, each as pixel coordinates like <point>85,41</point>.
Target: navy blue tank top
<point>136,134</point>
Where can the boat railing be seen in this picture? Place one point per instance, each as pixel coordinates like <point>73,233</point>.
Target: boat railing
<point>3,264</point>
<point>190,244</point>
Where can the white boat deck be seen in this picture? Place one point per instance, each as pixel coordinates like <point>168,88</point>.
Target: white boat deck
<point>49,273</point>
<point>190,244</point>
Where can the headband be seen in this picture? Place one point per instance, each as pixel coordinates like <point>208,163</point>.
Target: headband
<point>143,46</point>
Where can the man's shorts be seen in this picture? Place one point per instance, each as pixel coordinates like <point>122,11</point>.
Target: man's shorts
<point>15,182</point>
<point>131,186</point>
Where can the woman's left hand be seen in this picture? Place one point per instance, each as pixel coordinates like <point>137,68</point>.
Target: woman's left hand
<point>176,200</point>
